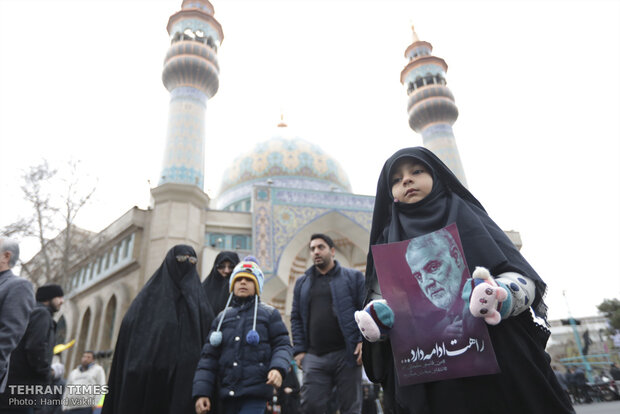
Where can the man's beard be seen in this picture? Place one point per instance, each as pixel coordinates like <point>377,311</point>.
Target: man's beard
<point>322,264</point>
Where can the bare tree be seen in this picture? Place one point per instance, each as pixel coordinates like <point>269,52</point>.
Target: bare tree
<point>75,198</point>
<point>49,214</point>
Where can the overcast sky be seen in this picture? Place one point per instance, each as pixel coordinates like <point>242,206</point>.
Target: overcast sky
<point>536,84</point>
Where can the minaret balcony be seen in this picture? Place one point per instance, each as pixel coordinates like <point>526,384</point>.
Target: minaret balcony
<point>194,64</point>
<point>432,110</point>
<point>428,92</point>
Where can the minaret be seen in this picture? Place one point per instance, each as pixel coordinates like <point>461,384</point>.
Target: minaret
<point>431,106</point>
<point>191,74</point>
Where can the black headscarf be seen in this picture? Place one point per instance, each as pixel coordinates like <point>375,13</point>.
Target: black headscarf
<point>484,243</point>
<point>215,285</point>
<point>159,342</point>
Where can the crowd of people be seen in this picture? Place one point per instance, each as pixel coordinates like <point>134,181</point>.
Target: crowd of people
<point>31,376</point>
<point>216,347</point>
<point>574,382</point>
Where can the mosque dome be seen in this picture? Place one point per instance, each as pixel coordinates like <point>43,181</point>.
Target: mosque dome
<point>285,160</point>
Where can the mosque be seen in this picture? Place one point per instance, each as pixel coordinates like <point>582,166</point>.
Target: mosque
<point>271,199</point>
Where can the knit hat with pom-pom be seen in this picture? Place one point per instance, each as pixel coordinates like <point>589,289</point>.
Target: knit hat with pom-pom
<point>250,270</point>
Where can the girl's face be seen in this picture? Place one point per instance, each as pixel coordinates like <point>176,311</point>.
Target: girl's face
<point>411,181</point>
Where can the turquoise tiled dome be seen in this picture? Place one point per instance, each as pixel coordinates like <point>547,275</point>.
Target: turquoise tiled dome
<point>285,162</point>
<point>285,157</point>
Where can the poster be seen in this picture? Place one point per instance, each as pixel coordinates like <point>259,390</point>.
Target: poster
<point>434,336</point>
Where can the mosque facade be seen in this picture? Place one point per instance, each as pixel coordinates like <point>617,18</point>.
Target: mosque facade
<point>271,198</point>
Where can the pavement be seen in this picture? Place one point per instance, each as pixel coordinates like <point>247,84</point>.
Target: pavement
<point>608,407</point>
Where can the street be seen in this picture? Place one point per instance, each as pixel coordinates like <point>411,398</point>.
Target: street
<point>611,407</point>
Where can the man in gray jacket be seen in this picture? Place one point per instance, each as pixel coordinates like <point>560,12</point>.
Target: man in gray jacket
<point>31,361</point>
<point>16,303</point>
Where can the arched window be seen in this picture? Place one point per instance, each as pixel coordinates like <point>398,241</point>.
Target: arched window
<point>188,34</point>
<point>108,324</point>
<point>61,331</point>
<point>81,340</point>
<point>211,43</point>
<point>93,343</point>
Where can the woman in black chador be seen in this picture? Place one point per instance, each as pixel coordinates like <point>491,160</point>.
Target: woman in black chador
<point>159,341</point>
<point>216,284</point>
<point>417,194</point>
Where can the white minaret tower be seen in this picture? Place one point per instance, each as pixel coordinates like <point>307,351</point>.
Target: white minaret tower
<point>191,74</point>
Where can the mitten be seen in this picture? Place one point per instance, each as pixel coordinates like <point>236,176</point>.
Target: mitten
<point>486,297</point>
<point>375,320</point>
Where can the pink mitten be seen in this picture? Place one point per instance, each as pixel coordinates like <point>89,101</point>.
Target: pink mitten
<point>486,296</point>
<point>375,320</point>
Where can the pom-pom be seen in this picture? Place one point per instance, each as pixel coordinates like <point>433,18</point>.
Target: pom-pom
<point>252,337</point>
<point>216,338</point>
<point>250,259</point>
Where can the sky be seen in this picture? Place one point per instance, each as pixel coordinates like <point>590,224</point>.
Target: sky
<point>537,85</point>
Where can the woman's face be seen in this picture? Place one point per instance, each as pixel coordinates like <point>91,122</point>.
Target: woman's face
<point>411,181</point>
<point>225,268</point>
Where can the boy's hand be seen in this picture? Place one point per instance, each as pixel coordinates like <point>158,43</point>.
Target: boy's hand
<point>358,353</point>
<point>274,378</point>
<point>298,358</point>
<point>203,404</point>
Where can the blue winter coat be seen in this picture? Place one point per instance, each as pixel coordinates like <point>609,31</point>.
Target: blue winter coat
<point>348,291</point>
<point>242,368</point>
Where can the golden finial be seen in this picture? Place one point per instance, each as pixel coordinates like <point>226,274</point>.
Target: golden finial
<point>282,124</point>
<point>415,35</point>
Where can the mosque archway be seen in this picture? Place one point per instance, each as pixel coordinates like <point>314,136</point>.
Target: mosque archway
<point>350,238</point>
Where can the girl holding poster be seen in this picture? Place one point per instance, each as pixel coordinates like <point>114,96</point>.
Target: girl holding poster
<point>417,195</point>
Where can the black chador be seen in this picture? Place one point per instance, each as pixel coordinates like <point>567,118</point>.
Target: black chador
<point>160,340</point>
<point>217,286</point>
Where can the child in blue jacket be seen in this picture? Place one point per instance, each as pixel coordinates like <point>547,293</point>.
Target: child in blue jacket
<point>248,351</point>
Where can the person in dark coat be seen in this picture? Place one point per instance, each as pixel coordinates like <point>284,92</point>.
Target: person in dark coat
<point>327,342</point>
<point>417,194</point>
<point>288,394</point>
<point>216,284</point>
<point>32,359</point>
<point>581,386</point>
<point>369,399</point>
<point>217,290</point>
<point>249,349</point>
<point>16,303</point>
<point>56,391</point>
<point>159,341</point>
